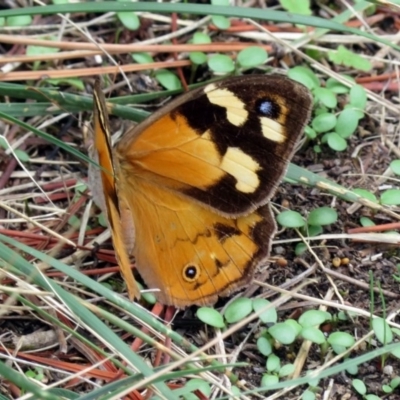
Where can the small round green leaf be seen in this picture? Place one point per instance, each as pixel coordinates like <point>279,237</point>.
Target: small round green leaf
<point>324,138</point>
<point>198,57</point>
<point>305,76</point>
<point>269,380</point>
<point>167,79</point>
<point>273,363</point>
<point>309,132</point>
<point>286,370</point>
<point>290,219</point>
<point>19,20</point>
<point>22,155</point>
<point>41,50</point>
<point>391,197</point>
<point>357,113</point>
<point>338,349</point>
<point>322,216</point>
<point>312,380</point>
<point>102,220</point>
<point>372,397</point>
<point>313,335</point>
<point>324,122</point>
<point>336,86</point>
<point>210,317</point>
<point>313,230</point>
<point>220,22</point>
<point>341,339</point>
<point>317,149</point>
<point>74,221</point>
<point>129,20</point>
<point>387,389</point>
<point>300,249</point>
<point>382,330</point>
<point>221,63</point>
<point>294,325</point>
<point>359,386</point>
<point>296,7</point>
<point>358,97</point>
<point>142,58</point>
<point>252,57</point>
<point>268,316</point>
<point>326,97</point>
<point>395,166</point>
<point>264,346</point>
<point>352,369</point>
<point>336,142</point>
<point>314,317</point>
<point>30,374</point>
<point>395,382</point>
<point>201,38</point>
<point>320,110</point>
<point>365,221</point>
<point>238,309</point>
<point>283,333</point>
<point>366,194</point>
<point>308,395</point>
<point>347,123</point>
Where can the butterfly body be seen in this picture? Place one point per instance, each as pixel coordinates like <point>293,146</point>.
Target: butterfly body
<point>194,181</point>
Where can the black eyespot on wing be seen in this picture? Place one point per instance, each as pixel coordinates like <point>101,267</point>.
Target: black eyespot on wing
<point>267,107</point>
<point>191,272</point>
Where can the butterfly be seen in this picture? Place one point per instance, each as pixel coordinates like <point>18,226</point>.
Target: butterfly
<point>187,191</point>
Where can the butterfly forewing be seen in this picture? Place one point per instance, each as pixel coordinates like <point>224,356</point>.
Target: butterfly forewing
<point>226,145</point>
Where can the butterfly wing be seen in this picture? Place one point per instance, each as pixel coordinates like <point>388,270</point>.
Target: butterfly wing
<point>189,252</point>
<point>117,211</point>
<point>226,145</point>
<point>196,177</point>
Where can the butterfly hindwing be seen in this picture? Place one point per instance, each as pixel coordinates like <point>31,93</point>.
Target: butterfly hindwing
<point>192,254</point>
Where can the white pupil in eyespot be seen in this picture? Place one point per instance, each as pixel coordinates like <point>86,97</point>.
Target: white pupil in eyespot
<point>265,107</point>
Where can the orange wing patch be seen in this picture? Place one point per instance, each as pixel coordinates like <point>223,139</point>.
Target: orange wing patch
<point>192,254</point>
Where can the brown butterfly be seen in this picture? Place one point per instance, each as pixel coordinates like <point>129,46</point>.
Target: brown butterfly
<point>194,181</point>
